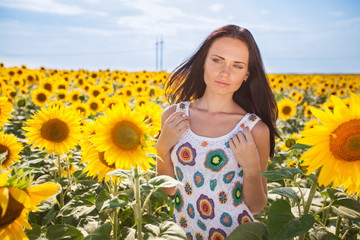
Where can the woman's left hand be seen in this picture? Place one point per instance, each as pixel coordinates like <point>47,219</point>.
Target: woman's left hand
<point>245,151</point>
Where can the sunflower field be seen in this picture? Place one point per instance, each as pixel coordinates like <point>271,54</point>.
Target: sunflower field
<point>78,158</point>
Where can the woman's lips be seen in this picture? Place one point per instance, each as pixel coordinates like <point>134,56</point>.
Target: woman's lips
<point>222,84</point>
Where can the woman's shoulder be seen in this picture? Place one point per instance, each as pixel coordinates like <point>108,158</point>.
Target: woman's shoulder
<point>172,108</point>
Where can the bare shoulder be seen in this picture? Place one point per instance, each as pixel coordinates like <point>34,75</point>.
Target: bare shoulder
<point>167,112</point>
<point>260,131</point>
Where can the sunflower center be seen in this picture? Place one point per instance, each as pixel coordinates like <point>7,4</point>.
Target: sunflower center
<point>286,110</point>
<point>103,161</point>
<point>54,130</point>
<point>13,211</point>
<point>290,142</point>
<point>345,141</point>
<point>126,135</point>
<point>41,97</point>
<point>48,86</point>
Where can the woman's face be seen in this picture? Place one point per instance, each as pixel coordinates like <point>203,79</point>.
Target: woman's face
<point>226,66</point>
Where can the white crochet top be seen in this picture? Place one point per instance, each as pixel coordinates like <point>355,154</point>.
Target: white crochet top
<point>209,203</point>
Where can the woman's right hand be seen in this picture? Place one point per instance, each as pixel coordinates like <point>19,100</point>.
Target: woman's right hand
<point>171,131</point>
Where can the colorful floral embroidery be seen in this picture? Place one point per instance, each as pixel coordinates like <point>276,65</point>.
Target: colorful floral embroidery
<point>198,179</point>
<point>223,197</point>
<point>199,236</point>
<point>182,106</point>
<point>228,177</point>
<point>213,183</point>
<point>179,202</point>
<point>201,225</point>
<point>188,188</point>
<point>237,194</point>
<point>205,207</point>
<point>186,154</point>
<point>189,236</point>
<point>191,210</point>
<point>179,174</point>
<point>226,219</point>
<point>204,144</point>
<point>183,222</point>
<point>252,118</point>
<point>244,217</point>
<point>216,234</point>
<point>227,144</point>
<point>216,160</point>
<point>242,125</point>
<point>241,173</point>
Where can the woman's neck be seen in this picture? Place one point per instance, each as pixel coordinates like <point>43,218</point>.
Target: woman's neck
<point>216,104</point>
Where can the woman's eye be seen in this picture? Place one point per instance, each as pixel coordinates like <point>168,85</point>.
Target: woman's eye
<point>237,66</point>
<point>216,60</point>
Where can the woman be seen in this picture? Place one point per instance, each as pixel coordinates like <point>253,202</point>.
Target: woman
<point>219,135</point>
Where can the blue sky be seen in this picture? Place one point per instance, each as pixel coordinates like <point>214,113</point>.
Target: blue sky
<point>294,36</point>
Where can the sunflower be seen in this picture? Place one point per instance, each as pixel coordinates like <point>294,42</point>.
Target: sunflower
<point>95,105</point>
<point>40,97</point>
<point>9,144</point>
<point>81,108</point>
<point>57,129</point>
<point>287,109</point>
<point>61,94</point>
<point>48,85</point>
<point>17,200</point>
<point>95,91</point>
<point>75,96</point>
<point>152,113</point>
<point>124,138</point>
<point>335,145</point>
<point>96,165</point>
<point>6,108</point>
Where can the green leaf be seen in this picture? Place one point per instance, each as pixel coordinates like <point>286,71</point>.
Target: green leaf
<point>114,203</point>
<point>250,230</point>
<point>34,233</point>
<point>163,181</point>
<point>300,146</point>
<point>282,223</point>
<point>286,192</point>
<point>121,173</point>
<point>60,231</point>
<point>102,233</point>
<point>165,230</point>
<point>347,208</point>
<point>101,198</point>
<point>282,173</point>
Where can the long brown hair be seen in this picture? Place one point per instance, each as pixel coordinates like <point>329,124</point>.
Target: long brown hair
<point>187,83</point>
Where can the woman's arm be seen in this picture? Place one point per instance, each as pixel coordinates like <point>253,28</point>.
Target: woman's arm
<point>252,150</point>
<point>173,125</point>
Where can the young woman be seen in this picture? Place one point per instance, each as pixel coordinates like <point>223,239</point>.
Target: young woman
<point>219,135</point>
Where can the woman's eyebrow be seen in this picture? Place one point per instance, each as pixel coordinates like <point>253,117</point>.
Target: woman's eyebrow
<point>224,59</point>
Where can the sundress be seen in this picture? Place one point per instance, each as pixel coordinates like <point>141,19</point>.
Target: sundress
<point>209,202</point>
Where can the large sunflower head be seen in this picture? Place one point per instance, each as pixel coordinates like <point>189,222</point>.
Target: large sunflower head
<point>17,199</point>
<point>124,138</point>
<point>6,108</point>
<point>335,145</point>
<point>287,109</point>
<point>56,129</point>
<point>96,165</point>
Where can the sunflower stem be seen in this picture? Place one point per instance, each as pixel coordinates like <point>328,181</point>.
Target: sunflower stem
<point>338,225</point>
<point>310,198</point>
<point>138,212</point>
<point>115,217</point>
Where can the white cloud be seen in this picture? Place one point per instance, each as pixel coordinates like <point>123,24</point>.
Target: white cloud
<point>216,7</point>
<point>349,22</point>
<point>156,18</point>
<point>337,14</point>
